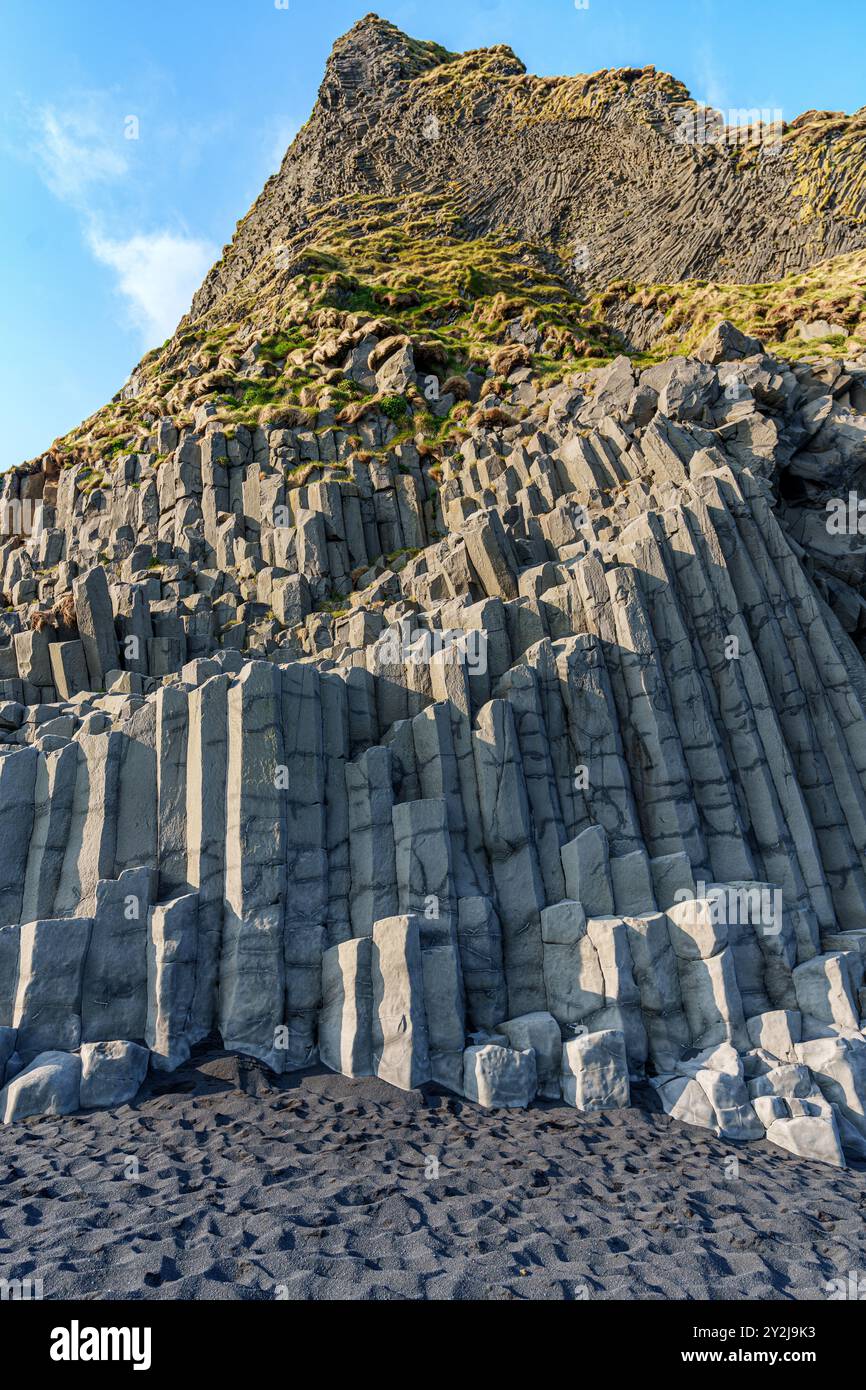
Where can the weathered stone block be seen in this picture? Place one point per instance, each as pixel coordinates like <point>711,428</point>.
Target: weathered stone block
<point>540,1032</point>
<point>587,872</point>
<point>111,1073</point>
<point>400,1049</point>
<point>50,973</point>
<point>95,619</point>
<point>48,1086</point>
<point>114,986</point>
<point>346,1018</point>
<point>499,1078</point>
<point>253,986</point>
<point>171,956</point>
<point>595,1071</point>
<point>824,991</point>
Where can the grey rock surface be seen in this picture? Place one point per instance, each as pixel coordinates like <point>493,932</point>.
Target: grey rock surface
<point>49,1085</point>
<point>500,1078</point>
<point>111,1073</point>
<point>594,1071</point>
<point>524,753</point>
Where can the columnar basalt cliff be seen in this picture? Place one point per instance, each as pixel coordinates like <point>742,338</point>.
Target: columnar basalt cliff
<point>400,675</point>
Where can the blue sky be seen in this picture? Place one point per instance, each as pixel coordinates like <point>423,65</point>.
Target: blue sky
<point>133,136</point>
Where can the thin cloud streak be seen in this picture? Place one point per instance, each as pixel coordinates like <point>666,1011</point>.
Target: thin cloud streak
<point>80,156</point>
<point>157,274</point>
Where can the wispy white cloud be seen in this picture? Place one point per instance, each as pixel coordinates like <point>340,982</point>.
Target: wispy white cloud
<point>157,274</point>
<point>77,149</point>
<point>84,158</point>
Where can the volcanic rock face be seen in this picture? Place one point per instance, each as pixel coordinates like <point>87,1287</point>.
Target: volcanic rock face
<point>601,160</point>
<point>524,752</point>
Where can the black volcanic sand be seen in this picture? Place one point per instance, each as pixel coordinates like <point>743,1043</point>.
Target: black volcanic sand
<point>317,1187</point>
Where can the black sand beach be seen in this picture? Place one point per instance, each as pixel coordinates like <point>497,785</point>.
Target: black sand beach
<point>249,1186</point>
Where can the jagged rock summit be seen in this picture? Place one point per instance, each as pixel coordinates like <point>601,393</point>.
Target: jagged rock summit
<point>596,160</point>
<point>398,675</point>
<point>450,194</point>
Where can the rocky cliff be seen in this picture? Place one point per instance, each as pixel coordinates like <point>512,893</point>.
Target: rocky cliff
<point>400,684</point>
